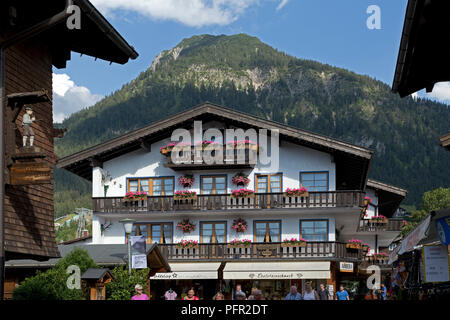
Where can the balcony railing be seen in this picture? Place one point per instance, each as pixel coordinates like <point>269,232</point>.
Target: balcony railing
<point>244,158</point>
<point>393,225</point>
<point>261,251</point>
<point>330,199</point>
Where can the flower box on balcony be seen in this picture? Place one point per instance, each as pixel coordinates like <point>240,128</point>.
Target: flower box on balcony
<point>293,193</point>
<point>299,244</point>
<point>354,244</point>
<point>187,244</point>
<point>135,196</point>
<point>185,195</point>
<point>245,243</point>
<point>242,193</point>
<point>379,220</point>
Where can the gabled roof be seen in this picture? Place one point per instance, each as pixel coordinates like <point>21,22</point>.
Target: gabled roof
<point>95,274</point>
<point>423,54</point>
<point>351,158</point>
<point>389,196</point>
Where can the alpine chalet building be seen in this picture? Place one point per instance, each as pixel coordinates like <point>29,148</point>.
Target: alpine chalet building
<point>239,220</point>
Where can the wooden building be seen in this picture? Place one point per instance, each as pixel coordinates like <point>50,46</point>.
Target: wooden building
<point>34,37</point>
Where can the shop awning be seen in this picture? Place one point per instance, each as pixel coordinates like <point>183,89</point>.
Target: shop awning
<point>181,271</point>
<point>277,270</point>
<point>414,237</point>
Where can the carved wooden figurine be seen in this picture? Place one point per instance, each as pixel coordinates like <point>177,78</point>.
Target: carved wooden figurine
<point>27,122</point>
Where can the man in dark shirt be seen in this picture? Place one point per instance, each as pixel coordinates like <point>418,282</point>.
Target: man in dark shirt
<point>323,293</point>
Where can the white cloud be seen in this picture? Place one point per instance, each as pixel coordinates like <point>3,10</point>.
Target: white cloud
<point>194,13</point>
<point>441,91</point>
<point>69,98</point>
<point>282,4</point>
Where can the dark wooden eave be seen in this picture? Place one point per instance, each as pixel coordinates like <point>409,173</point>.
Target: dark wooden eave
<point>96,37</point>
<point>389,196</point>
<point>352,161</point>
<point>445,141</point>
<point>423,58</point>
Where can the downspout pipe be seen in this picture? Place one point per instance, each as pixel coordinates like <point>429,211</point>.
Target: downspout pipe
<point>13,40</point>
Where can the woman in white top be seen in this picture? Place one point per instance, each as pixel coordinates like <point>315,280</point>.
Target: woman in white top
<point>309,293</point>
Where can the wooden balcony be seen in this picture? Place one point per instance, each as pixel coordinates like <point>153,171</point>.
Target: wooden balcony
<point>261,251</point>
<point>232,159</point>
<point>330,199</point>
<point>394,225</point>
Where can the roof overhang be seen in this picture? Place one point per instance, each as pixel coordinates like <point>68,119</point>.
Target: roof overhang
<point>96,36</point>
<point>423,58</point>
<point>353,161</point>
<point>389,196</point>
<point>445,141</point>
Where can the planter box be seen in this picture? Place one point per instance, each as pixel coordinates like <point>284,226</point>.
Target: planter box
<point>303,195</point>
<point>377,221</point>
<point>250,196</point>
<point>132,200</point>
<point>287,245</point>
<point>353,246</point>
<point>192,197</point>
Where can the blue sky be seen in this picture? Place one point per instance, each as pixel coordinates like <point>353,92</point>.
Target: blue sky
<point>329,31</point>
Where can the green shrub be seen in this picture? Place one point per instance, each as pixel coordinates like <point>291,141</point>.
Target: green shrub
<point>52,284</point>
<point>122,288</point>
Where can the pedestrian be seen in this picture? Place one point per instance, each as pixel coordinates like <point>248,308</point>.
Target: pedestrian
<point>383,292</point>
<point>342,294</point>
<point>170,295</point>
<point>139,295</point>
<point>293,294</point>
<point>310,293</point>
<point>219,296</point>
<point>240,295</point>
<point>258,295</point>
<point>238,289</point>
<point>191,295</point>
<point>323,293</point>
<point>252,295</point>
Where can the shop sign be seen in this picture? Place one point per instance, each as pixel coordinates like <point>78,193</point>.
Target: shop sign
<point>346,266</point>
<point>30,173</point>
<point>184,275</point>
<point>443,229</point>
<point>435,263</point>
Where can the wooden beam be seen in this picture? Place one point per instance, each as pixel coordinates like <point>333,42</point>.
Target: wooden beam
<point>94,162</point>
<point>145,145</point>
